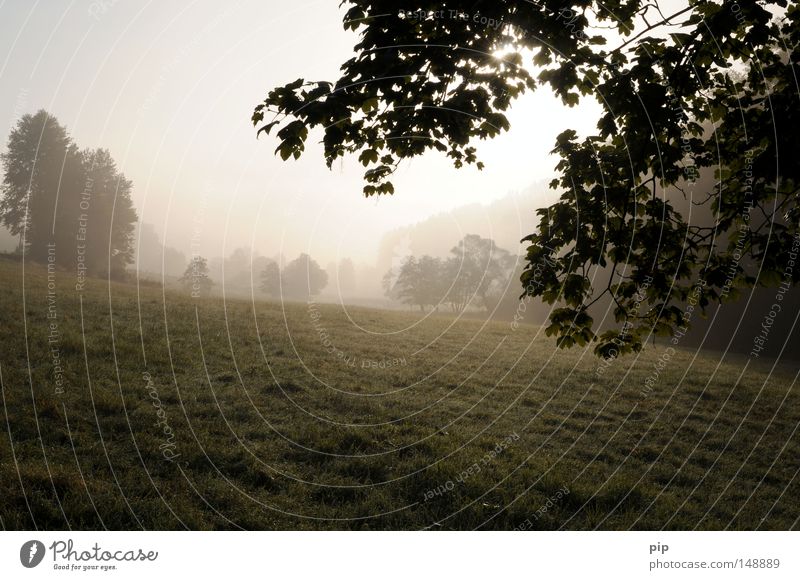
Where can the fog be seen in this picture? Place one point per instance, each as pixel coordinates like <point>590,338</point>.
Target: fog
<point>169,91</point>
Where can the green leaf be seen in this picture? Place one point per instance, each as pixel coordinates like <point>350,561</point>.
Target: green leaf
<point>368,156</point>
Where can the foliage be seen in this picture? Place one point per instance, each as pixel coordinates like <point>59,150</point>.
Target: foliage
<point>303,277</point>
<point>41,164</point>
<point>271,280</point>
<point>711,86</point>
<point>418,282</point>
<point>476,269</point>
<point>70,207</point>
<point>108,213</point>
<point>196,280</point>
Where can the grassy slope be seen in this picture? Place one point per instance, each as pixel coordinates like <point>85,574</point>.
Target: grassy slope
<point>275,432</point>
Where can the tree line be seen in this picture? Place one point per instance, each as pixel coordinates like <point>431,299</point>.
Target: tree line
<point>76,205</point>
<point>299,279</point>
<point>476,274</point>
<point>64,201</point>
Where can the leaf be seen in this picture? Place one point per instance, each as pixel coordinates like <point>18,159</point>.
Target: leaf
<point>370,105</point>
<point>267,128</point>
<point>668,100</point>
<point>368,156</point>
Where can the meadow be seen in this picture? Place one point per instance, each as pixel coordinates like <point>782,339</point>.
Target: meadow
<point>135,407</point>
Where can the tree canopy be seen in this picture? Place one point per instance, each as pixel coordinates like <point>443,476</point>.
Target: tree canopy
<point>418,282</point>
<point>475,273</point>
<point>65,202</point>
<point>196,280</point>
<point>711,86</point>
<point>303,277</point>
<point>271,280</point>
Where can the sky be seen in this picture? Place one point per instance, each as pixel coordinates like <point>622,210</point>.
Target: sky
<point>168,87</point>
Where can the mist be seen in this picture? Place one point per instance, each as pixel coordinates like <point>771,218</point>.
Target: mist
<point>470,266</point>
<point>174,112</point>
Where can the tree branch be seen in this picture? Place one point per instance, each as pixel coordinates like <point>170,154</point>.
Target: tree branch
<point>651,27</point>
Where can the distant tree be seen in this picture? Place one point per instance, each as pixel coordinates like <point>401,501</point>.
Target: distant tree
<point>107,218</point>
<point>241,269</point>
<point>476,273</point>
<point>44,176</point>
<point>388,284</point>
<point>431,79</point>
<point>504,290</point>
<point>391,289</point>
<point>405,287</point>
<point>195,279</point>
<point>303,277</point>
<point>74,206</point>
<point>236,267</point>
<point>258,264</point>
<point>418,282</point>
<point>460,284</point>
<point>173,261</point>
<point>431,280</point>
<point>271,280</point>
<point>476,267</point>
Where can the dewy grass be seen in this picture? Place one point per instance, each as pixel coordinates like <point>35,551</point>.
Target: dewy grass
<point>173,413</point>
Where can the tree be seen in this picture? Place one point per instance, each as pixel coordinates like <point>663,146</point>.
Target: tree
<point>195,279</point>
<point>241,269</point>
<point>107,218</point>
<point>429,271</point>
<point>711,87</point>
<point>62,201</point>
<point>303,277</point>
<point>271,280</point>
<point>44,176</point>
<point>407,288</point>
<point>475,269</point>
<point>418,282</point>
<point>460,289</point>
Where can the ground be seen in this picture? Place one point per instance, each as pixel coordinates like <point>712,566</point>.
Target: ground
<point>145,408</point>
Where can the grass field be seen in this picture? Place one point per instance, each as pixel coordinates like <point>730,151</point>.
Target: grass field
<point>145,409</point>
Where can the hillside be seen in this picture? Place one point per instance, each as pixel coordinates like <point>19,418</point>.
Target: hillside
<point>133,408</point>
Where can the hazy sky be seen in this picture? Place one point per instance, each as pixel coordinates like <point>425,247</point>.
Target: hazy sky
<point>169,88</point>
